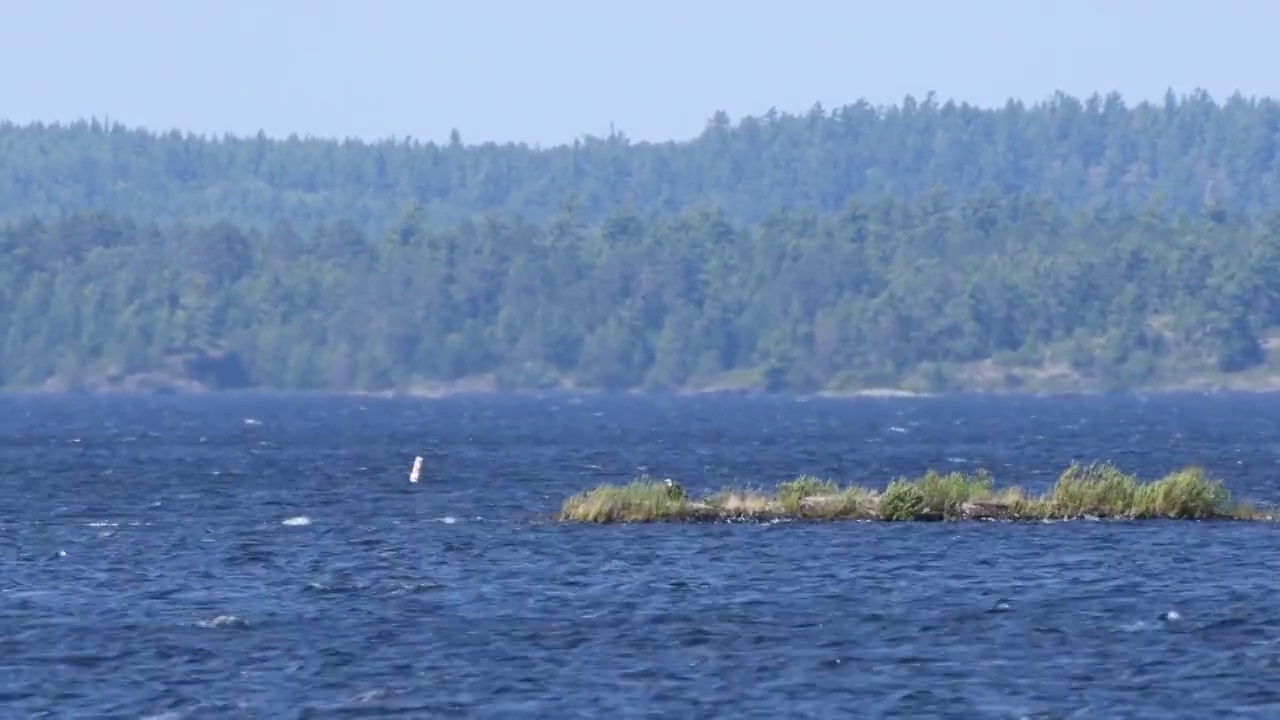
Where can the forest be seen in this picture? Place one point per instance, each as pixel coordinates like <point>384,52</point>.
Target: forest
<point>1069,245</point>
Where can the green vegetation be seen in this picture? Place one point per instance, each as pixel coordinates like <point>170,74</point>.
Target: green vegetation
<point>1073,245</point>
<point>643,498</point>
<point>1078,151</point>
<point>791,494</point>
<point>1082,491</point>
<point>1015,295</point>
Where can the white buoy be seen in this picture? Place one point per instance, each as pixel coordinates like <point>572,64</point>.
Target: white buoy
<point>417,469</point>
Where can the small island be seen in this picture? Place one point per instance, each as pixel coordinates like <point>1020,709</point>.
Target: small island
<point>1094,491</point>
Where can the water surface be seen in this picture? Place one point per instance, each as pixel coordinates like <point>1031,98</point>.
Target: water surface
<point>252,556</point>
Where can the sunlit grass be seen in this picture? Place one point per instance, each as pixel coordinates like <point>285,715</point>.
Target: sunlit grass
<point>1100,490</point>
<point>1081,491</point>
<point>792,493</point>
<point>641,500</point>
<point>742,503</point>
<point>1187,493</point>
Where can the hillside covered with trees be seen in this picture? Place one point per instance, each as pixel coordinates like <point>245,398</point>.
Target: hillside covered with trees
<point>1078,151</point>
<point>1072,244</point>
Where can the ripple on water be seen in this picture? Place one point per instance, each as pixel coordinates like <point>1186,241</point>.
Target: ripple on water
<point>286,568</point>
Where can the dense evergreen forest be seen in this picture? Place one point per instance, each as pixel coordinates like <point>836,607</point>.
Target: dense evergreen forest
<point>1184,151</point>
<point>1070,244</point>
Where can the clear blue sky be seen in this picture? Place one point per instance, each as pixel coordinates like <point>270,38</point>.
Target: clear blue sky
<point>546,71</point>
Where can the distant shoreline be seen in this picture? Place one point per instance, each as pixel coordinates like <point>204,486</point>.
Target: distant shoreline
<point>440,393</point>
<point>984,378</point>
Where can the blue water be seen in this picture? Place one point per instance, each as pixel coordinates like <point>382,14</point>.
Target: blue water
<point>265,557</point>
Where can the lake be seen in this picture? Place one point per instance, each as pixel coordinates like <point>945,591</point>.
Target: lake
<point>264,556</point>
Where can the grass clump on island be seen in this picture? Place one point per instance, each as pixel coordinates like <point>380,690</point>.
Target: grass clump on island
<point>1082,491</point>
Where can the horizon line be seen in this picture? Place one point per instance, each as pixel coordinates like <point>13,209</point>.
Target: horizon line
<point>616,132</point>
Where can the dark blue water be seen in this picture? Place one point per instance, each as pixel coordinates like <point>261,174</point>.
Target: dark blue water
<point>147,569</point>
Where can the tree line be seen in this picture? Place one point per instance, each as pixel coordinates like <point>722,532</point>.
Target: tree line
<point>920,292</point>
<point>1183,153</point>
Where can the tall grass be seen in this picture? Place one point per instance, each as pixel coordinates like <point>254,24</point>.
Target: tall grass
<point>1102,490</point>
<point>1097,490</point>
<point>1187,493</point>
<point>945,494</point>
<point>792,493</point>
<point>642,499</point>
